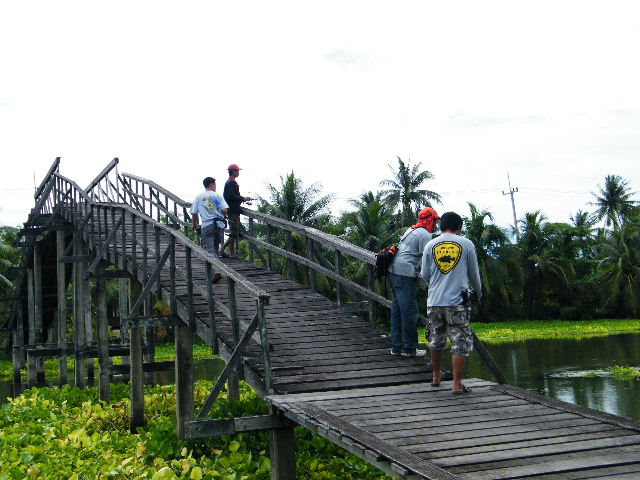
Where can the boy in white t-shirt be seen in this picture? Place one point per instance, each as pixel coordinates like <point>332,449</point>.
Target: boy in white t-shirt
<point>208,211</point>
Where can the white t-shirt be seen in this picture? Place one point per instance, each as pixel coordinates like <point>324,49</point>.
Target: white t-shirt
<point>209,205</point>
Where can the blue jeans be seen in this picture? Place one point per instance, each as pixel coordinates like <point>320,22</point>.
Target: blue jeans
<point>404,314</point>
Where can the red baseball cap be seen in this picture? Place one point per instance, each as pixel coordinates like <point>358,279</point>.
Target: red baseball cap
<point>233,166</point>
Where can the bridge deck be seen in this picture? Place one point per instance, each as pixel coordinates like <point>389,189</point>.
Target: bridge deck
<point>316,344</point>
<point>493,432</point>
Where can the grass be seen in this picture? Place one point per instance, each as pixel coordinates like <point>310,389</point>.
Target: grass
<point>555,328</point>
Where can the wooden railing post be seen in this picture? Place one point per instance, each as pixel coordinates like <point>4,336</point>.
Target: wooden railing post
<point>269,240</point>
<point>311,255</point>
<point>372,283</point>
<point>290,264</point>
<point>190,311</point>
<point>339,297</point>
<point>211,301</point>
<point>264,341</point>
<point>251,247</point>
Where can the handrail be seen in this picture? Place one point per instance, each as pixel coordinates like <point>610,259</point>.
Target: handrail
<point>169,194</point>
<point>54,168</point>
<point>149,196</point>
<point>325,238</point>
<point>103,194</point>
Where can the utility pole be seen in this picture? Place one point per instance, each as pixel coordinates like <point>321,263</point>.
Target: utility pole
<point>513,206</point>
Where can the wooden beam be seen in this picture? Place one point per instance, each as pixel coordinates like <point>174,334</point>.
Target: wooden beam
<point>233,426</point>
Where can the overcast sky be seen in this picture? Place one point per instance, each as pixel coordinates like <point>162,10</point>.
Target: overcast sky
<point>548,91</point>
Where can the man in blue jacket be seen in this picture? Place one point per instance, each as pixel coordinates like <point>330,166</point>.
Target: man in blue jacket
<point>449,268</point>
<point>404,273</point>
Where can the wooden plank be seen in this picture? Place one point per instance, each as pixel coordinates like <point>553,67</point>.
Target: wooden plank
<point>525,447</point>
<point>588,446</point>
<point>426,441</point>
<point>563,462</point>
<point>483,425</point>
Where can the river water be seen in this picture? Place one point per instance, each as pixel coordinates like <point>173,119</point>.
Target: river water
<point>572,370</point>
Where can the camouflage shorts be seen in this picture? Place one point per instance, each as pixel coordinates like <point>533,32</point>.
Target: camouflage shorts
<point>452,322</point>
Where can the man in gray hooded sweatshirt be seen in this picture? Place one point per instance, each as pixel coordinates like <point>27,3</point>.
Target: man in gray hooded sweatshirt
<point>449,268</point>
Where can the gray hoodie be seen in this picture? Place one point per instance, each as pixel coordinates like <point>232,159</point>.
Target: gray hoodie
<point>407,260</point>
<point>450,266</point>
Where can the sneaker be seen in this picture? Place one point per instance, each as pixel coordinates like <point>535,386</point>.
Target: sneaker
<point>416,353</point>
<point>396,354</point>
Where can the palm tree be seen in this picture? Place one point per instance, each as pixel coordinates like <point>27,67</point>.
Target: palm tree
<point>292,201</point>
<point>404,190</point>
<point>619,270</point>
<point>545,269</point>
<point>614,201</point>
<point>371,225</point>
<point>499,269</point>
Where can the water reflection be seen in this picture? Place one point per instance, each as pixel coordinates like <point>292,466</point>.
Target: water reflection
<point>535,365</point>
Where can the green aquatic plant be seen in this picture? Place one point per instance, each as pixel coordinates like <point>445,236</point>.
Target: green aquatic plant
<point>625,373</point>
<point>68,433</point>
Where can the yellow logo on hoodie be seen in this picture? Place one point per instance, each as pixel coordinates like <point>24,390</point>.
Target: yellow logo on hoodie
<point>447,255</point>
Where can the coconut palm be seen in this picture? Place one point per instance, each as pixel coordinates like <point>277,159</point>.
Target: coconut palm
<point>497,260</point>
<point>371,225</point>
<point>404,190</point>
<point>614,201</point>
<point>292,201</point>
<point>544,269</point>
<point>619,270</point>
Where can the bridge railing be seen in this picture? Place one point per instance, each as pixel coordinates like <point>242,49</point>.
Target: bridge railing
<point>307,247</point>
<point>156,201</point>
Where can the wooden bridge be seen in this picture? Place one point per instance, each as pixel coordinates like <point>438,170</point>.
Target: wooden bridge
<point>318,362</point>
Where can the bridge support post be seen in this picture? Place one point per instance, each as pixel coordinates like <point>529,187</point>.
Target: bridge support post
<point>18,344</point>
<point>282,452</point>
<point>31,358</point>
<point>123,309</point>
<point>79,303</point>
<point>233,383</point>
<point>184,377</point>
<point>103,334</point>
<point>62,305</point>
<point>136,381</point>
<point>38,324</point>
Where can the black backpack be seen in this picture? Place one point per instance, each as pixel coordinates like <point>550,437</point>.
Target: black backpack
<point>384,258</point>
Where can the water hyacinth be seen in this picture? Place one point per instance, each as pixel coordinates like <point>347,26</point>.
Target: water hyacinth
<point>67,433</point>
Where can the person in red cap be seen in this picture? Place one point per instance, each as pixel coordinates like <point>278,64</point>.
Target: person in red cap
<point>404,273</point>
<point>233,198</point>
